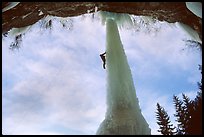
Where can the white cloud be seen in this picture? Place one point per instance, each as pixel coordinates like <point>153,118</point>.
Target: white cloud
<point>57,77</point>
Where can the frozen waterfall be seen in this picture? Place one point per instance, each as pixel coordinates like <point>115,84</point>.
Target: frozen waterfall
<point>123,115</point>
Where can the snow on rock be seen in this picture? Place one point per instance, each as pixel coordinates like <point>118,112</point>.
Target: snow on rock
<point>88,11</point>
<point>41,13</point>
<point>96,9</point>
<point>195,7</point>
<point>10,6</point>
<point>148,19</point>
<point>189,32</point>
<point>27,15</point>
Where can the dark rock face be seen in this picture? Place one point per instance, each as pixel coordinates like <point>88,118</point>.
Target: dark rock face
<point>27,13</point>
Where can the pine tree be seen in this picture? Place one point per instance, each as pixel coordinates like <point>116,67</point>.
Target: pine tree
<point>188,115</point>
<point>188,110</point>
<point>196,116</point>
<point>196,111</point>
<point>180,115</point>
<point>166,128</point>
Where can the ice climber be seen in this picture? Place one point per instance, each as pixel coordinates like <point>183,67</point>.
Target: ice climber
<point>103,59</point>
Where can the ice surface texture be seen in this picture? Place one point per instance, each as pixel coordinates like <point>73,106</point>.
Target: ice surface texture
<point>123,116</point>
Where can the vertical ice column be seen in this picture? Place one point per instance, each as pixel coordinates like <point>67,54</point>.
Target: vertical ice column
<point>123,115</point>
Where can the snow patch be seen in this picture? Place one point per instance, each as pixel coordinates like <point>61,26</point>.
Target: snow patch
<point>41,13</point>
<point>13,18</point>
<point>96,9</point>
<point>195,8</point>
<point>88,5</point>
<point>10,6</point>
<point>148,19</point>
<point>88,11</point>
<point>26,15</point>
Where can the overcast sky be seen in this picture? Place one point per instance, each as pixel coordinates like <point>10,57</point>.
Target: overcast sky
<point>55,83</point>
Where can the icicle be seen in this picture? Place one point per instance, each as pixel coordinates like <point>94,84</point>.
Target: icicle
<point>17,31</point>
<point>48,18</point>
<point>189,32</point>
<point>195,8</point>
<point>96,9</point>
<point>121,19</point>
<point>123,115</point>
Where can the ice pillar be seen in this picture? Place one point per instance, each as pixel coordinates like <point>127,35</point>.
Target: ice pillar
<point>123,115</point>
